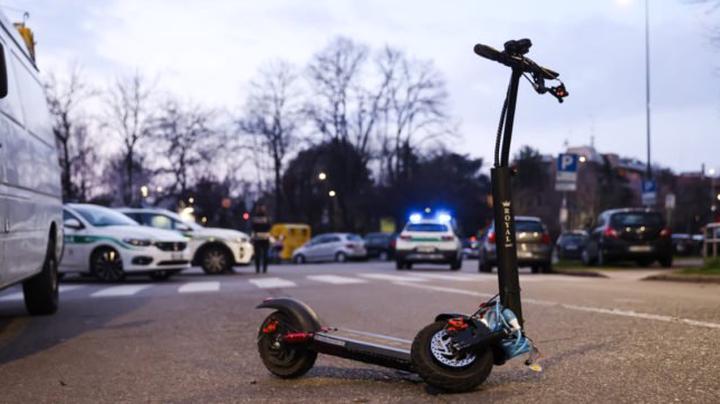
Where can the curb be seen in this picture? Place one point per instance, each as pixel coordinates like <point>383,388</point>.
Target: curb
<point>684,278</point>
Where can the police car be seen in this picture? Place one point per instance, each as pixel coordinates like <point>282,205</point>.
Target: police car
<point>110,245</point>
<point>428,240</point>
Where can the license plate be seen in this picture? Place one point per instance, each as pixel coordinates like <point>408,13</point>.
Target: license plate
<point>425,256</point>
<point>177,256</point>
<point>426,249</point>
<point>640,248</point>
<point>524,254</point>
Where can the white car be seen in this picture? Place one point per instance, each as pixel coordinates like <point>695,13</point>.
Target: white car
<point>110,245</point>
<point>31,240</point>
<point>216,250</point>
<point>428,241</point>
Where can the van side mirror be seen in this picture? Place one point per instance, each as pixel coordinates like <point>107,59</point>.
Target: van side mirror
<point>72,223</point>
<point>3,74</point>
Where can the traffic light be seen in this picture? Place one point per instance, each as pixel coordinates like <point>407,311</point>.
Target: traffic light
<point>246,216</point>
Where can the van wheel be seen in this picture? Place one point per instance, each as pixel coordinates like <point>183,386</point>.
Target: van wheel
<point>41,291</point>
<point>215,260</point>
<point>106,265</point>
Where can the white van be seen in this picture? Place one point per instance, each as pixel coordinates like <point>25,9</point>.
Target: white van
<point>31,237</point>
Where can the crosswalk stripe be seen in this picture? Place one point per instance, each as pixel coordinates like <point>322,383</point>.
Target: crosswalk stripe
<point>270,283</point>
<point>393,278</point>
<point>193,287</point>
<point>336,279</point>
<point>122,290</point>
<point>67,288</point>
<point>12,296</point>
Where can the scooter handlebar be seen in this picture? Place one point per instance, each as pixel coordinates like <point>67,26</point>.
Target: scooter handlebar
<point>515,60</point>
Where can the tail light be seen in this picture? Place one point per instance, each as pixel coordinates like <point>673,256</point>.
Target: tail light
<point>473,239</point>
<point>609,232</point>
<point>405,237</point>
<point>447,238</point>
<point>491,237</point>
<point>665,233</point>
<point>546,238</point>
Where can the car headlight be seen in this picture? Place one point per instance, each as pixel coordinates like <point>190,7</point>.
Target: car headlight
<point>241,239</point>
<point>138,242</point>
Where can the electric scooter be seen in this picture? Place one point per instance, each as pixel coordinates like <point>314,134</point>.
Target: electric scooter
<point>456,352</point>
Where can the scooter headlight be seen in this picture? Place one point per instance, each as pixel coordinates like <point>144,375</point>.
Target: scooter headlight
<point>138,242</point>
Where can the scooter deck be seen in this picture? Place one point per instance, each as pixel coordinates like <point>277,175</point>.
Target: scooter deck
<point>366,347</point>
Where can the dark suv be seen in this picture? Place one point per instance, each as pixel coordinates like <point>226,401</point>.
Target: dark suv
<point>380,245</point>
<point>629,234</point>
<point>534,247</point>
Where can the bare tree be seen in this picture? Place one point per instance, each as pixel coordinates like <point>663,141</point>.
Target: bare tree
<point>414,107</point>
<point>128,116</point>
<point>187,138</point>
<point>273,116</point>
<point>345,101</point>
<point>65,98</point>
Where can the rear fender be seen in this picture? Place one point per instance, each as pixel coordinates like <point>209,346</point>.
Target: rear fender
<point>448,316</point>
<point>300,311</point>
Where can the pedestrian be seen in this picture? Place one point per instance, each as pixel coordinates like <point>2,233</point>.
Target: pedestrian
<point>261,237</point>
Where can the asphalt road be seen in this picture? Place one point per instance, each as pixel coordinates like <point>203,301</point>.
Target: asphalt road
<point>192,339</point>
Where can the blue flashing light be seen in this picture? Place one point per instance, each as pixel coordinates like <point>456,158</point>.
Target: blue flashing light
<point>444,217</point>
<point>415,218</point>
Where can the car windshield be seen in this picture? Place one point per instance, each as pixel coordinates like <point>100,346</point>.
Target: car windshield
<point>354,237</point>
<point>528,226</point>
<point>179,218</point>
<point>426,227</point>
<point>99,216</point>
<point>575,238</point>
<point>634,219</point>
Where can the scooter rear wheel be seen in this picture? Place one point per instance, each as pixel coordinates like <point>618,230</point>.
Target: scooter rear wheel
<point>440,369</point>
<point>283,359</point>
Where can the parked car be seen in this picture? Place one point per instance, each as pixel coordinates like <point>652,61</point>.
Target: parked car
<point>570,244</point>
<point>428,241</point>
<point>31,238</point>
<point>380,245</point>
<point>471,247</point>
<point>534,247</point>
<point>110,245</point>
<point>637,234</point>
<point>687,244</point>
<point>216,250</point>
<point>338,247</point>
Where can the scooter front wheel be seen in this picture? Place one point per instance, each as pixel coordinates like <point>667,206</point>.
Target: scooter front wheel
<point>283,359</point>
<point>440,367</point>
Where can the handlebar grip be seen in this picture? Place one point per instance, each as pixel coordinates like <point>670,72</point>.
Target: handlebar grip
<point>488,52</point>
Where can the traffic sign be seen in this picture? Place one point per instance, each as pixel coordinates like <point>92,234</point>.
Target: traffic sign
<point>566,173</point>
<point>649,191</point>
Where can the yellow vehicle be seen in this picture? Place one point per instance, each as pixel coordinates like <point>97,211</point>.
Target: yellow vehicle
<point>291,235</point>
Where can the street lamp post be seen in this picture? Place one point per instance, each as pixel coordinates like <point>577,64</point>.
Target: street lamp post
<point>647,86</point>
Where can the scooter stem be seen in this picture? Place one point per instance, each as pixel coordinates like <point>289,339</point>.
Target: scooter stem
<point>508,279</point>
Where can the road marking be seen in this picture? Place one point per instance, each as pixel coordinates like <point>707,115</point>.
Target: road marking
<point>335,279</point>
<point>67,288</point>
<point>455,277</point>
<point>194,287</point>
<point>615,312</point>
<point>270,283</point>
<point>12,296</point>
<point>393,278</point>
<point>123,290</point>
